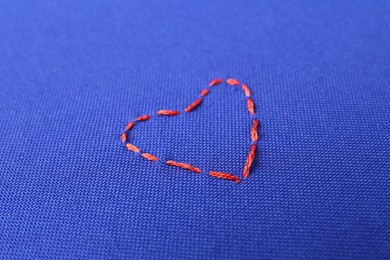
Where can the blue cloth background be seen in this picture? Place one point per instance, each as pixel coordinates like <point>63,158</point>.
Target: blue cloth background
<point>73,73</point>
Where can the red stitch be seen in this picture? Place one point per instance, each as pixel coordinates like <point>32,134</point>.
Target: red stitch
<point>129,126</point>
<point>224,175</point>
<point>132,147</point>
<point>251,106</point>
<point>246,90</point>
<point>215,82</point>
<point>184,166</point>
<point>204,92</point>
<point>232,82</point>
<point>150,157</point>
<point>254,134</point>
<point>124,137</point>
<point>143,118</point>
<point>168,112</point>
<point>249,161</point>
<point>193,105</point>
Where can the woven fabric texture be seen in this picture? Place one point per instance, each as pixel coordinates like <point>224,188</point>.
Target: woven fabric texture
<point>73,73</point>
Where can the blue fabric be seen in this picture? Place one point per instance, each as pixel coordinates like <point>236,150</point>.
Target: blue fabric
<point>73,73</point>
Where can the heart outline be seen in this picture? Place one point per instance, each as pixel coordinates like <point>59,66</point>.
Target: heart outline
<point>222,175</point>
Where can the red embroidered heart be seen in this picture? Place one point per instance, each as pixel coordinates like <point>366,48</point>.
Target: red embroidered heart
<point>197,102</point>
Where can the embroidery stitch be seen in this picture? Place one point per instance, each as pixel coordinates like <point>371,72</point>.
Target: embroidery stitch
<point>150,157</point>
<point>124,137</point>
<point>221,175</point>
<point>143,118</point>
<point>225,175</point>
<point>193,105</point>
<point>129,126</point>
<point>204,92</point>
<point>251,106</point>
<point>249,161</point>
<point>254,134</point>
<point>184,166</point>
<point>131,147</point>
<point>168,112</point>
<point>232,82</point>
<point>215,82</point>
<point>246,90</point>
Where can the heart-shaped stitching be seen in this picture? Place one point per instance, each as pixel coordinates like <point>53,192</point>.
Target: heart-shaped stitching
<point>222,175</point>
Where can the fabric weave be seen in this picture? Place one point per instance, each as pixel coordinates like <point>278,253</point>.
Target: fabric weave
<point>73,73</point>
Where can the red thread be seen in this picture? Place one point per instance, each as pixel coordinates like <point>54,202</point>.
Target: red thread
<point>251,106</point>
<point>132,147</point>
<point>204,92</point>
<point>184,166</point>
<point>249,161</point>
<point>232,82</point>
<point>143,118</point>
<point>124,137</point>
<point>150,157</point>
<point>254,134</point>
<point>168,112</point>
<point>129,126</point>
<point>193,105</point>
<point>224,175</point>
<point>246,90</point>
<point>215,82</point>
